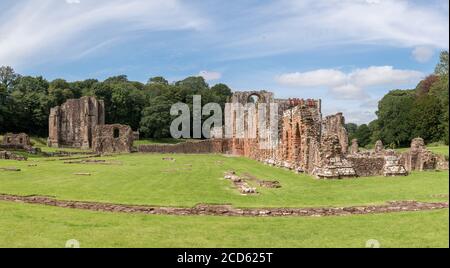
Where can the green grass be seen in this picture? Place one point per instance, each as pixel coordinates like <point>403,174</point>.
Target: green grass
<point>23,225</point>
<point>147,179</point>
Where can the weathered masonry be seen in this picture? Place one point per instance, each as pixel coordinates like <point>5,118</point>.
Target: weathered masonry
<point>308,142</point>
<point>72,124</point>
<point>112,139</point>
<point>80,123</point>
<point>16,141</point>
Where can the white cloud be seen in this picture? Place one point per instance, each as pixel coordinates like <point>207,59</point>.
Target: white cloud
<point>422,54</point>
<point>350,85</point>
<point>210,76</point>
<point>383,75</point>
<point>34,31</point>
<point>70,2</point>
<point>291,25</point>
<point>314,78</point>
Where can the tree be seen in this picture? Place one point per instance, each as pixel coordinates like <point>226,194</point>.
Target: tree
<point>394,117</point>
<point>156,118</point>
<point>363,134</point>
<point>442,67</point>
<point>59,91</point>
<point>127,103</point>
<point>427,117</point>
<point>351,130</point>
<point>7,76</point>
<point>158,80</point>
<point>117,79</point>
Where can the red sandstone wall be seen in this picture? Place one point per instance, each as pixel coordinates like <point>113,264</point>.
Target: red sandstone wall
<point>367,166</point>
<point>196,147</point>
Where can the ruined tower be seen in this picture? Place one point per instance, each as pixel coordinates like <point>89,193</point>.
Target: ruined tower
<point>72,124</point>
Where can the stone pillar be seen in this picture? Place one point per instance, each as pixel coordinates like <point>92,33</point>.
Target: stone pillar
<point>53,127</point>
<point>379,147</point>
<point>355,147</point>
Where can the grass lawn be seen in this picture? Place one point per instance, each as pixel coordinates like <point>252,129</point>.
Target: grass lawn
<point>193,179</point>
<point>24,225</point>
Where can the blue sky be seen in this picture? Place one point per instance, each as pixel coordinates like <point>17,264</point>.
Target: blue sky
<point>349,53</point>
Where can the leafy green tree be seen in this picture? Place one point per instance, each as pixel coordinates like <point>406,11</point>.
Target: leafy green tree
<point>442,67</point>
<point>127,103</point>
<point>117,79</point>
<point>427,116</point>
<point>394,117</point>
<point>375,130</point>
<point>351,130</point>
<point>59,91</point>
<point>156,118</point>
<point>7,76</point>
<point>363,134</point>
<point>158,80</point>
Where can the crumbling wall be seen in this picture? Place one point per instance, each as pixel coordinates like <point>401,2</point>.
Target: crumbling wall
<point>72,124</point>
<point>16,141</point>
<point>365,165</point>
<point>333,164</point>
<point>354,149</point>
<point>335,124</point>
<point>112,139</point>
<point>5,155</point>
<point>189,147</point>
<point>420,158</point>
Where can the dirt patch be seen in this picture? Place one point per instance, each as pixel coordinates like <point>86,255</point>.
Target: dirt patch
<point>263,183</point>
<point>10,169</point>
<point>82,174</point>
<point>93,161</point>
<point>228,210</point>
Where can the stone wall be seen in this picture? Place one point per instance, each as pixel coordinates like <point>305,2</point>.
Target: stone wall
<point>333,163</point>
<point>72,124</point>
<point>335,124</point>
<point>189,147</point>
<point>5,155</point>
<point>419,158</point>
<point>112,139</point>
<point>367,165</point>
<point>16,141</point>
<point>300,132</point>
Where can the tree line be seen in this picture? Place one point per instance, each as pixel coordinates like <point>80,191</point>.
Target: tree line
<point>25,103</point>
<point>406,114</point>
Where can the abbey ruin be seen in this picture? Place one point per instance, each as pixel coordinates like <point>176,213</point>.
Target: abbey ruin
<point>80,123</point>
<point>308,142</point>
<point>302,140</point>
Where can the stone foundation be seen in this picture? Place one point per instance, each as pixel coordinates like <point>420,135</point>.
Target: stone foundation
<point>11,156</point>
<point>190,147</point>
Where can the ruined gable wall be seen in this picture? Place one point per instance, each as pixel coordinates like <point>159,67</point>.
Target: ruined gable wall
<point>334,124</point>
<point>419,158</point>
<point>20,140</point>
<point>189,147</point>
<point>367,165</point>
<point>72,123</point>
<point>114,138</point>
